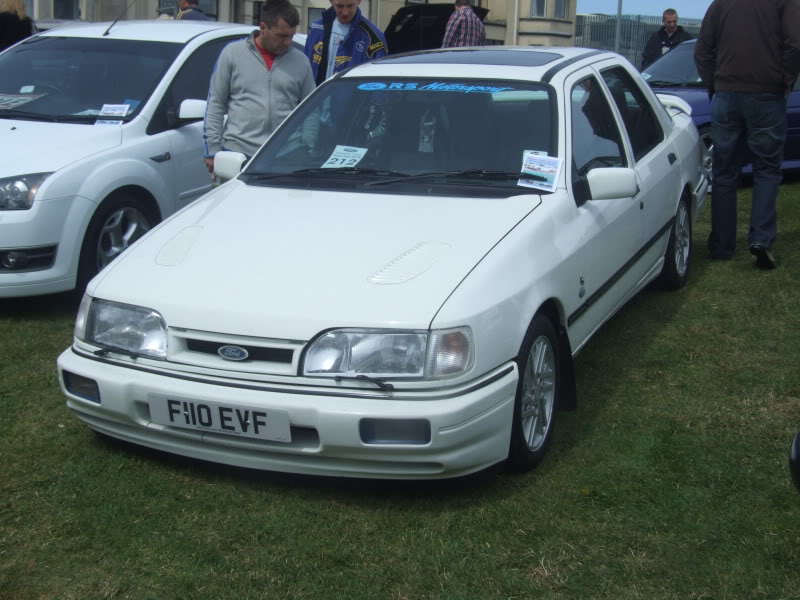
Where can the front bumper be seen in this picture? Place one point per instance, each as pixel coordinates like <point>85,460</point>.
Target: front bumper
<point>470,427</point>
<point>58,222</point>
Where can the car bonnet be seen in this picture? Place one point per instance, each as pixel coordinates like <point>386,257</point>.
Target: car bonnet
<point>37,147</point>
<point>288,264</point>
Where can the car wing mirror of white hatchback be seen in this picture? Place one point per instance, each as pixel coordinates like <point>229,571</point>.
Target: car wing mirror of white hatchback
<point>191,110</point>
<point>228,165</point>
<point>608,183</point>
<point>671,102</point>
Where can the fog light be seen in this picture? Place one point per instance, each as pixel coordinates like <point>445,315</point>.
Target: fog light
<point>27,259</point>
<point>15,260</point>
<point>395,431</point>
<point>83,387</point>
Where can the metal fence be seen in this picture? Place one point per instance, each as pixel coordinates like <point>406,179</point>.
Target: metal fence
<point>600,31</point>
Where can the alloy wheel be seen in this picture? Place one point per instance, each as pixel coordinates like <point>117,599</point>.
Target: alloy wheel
<point>538,393</point>
<point>122,228</point>
<point>683,234</point>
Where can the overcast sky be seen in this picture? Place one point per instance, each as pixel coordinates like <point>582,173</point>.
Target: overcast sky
<point>691,9</point>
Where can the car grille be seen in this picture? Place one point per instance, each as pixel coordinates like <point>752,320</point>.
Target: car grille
<point>255,353</point>
<point>265,356</point>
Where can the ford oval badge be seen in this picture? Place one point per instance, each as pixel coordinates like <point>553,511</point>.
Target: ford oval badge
<point>233,352</point>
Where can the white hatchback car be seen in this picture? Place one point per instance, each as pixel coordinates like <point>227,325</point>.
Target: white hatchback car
<point>95,148</point>
<point>397,283</point>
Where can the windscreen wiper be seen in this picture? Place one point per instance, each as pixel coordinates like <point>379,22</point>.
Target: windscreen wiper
<point>34,116</point>
<point>382,385</point>
<point>322,171</point>
<point>466,174</point>
<point>22,114</point>
<point>662,84</point>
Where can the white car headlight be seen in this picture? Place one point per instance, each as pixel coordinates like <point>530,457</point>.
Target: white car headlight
<point>17,193</point>
<point>123,328</point>
<point>352,353</point>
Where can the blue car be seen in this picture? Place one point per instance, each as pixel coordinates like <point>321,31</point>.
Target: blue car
<point>675,73</point>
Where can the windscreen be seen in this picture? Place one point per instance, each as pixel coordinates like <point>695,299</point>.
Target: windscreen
<point>675,68</point>
<point>377,128</point>
<point>78,79</point>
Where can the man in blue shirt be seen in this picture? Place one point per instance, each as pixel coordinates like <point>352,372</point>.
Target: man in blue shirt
<point>342,38</point>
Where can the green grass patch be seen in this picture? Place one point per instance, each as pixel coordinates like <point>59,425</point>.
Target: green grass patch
<point>668,482</point>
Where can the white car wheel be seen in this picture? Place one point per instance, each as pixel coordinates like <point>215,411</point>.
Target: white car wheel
<point>536,401</point>
<point>678,256</point>
<point>123,227</point>
<point>118,223</point>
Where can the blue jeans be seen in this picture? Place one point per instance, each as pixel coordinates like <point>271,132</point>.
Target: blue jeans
<point>742,120</point>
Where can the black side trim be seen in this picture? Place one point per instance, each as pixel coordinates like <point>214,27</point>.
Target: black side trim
<point>616,276</point>
<point>316,392</point>
<point>556,68</point>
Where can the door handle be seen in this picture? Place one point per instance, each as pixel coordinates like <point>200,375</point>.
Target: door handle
<point>672,158</point>
<point>161,157</point>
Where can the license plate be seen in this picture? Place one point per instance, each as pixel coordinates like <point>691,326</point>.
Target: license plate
<point>230,419</point>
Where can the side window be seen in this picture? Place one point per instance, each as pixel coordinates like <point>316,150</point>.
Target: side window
<point>640,121</point>
<point>596,140</point>
<point>191,82</point>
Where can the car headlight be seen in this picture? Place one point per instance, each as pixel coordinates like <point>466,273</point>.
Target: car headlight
<point>122,328</point>
<point>17,193</point>
<point>390,354</point>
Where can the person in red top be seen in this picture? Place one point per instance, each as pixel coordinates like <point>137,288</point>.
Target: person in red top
<point>464,28</point>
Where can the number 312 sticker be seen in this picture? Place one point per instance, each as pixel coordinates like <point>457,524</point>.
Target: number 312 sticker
<point>344,156</point>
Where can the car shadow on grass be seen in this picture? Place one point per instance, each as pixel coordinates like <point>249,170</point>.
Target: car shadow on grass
<point>40,308</point>
<point>480,485</point>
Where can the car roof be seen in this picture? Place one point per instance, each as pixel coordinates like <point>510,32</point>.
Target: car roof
<point>539,63</point>
<point>154,30</point>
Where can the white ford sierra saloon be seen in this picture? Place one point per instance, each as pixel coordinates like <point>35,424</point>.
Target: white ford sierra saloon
<point>397,283</point>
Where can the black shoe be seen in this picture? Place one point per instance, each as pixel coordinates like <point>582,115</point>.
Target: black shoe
<point>764,258</point>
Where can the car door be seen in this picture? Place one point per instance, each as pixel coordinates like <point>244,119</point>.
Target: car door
<point>191,177</point>
<point>604,236</point>
<point>653,151</point>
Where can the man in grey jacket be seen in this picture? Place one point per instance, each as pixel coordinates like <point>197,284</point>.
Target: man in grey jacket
<point>257,82</point>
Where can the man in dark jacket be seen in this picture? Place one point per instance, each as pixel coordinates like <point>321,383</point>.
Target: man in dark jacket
<point>190,12</point>
<point>665,39</point>
<point>749,83</point>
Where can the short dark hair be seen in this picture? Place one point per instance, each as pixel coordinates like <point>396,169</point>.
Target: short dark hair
<point>463,3</point>
<point>193,2</point>
<point>272,10</point>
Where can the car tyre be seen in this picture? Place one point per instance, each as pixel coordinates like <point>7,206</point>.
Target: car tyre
<point>678,256</point>
<point>536,400</point>
<point>118,222</point>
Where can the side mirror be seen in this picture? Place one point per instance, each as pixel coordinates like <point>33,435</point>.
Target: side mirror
<point>227,165</point>
<point>608,183</point>
<point>191,110</point>
<point>671,102</point>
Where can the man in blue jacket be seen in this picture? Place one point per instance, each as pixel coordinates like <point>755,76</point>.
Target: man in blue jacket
<point>342,38</point>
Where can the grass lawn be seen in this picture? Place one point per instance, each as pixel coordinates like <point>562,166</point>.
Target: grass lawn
<point>669,481</point>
